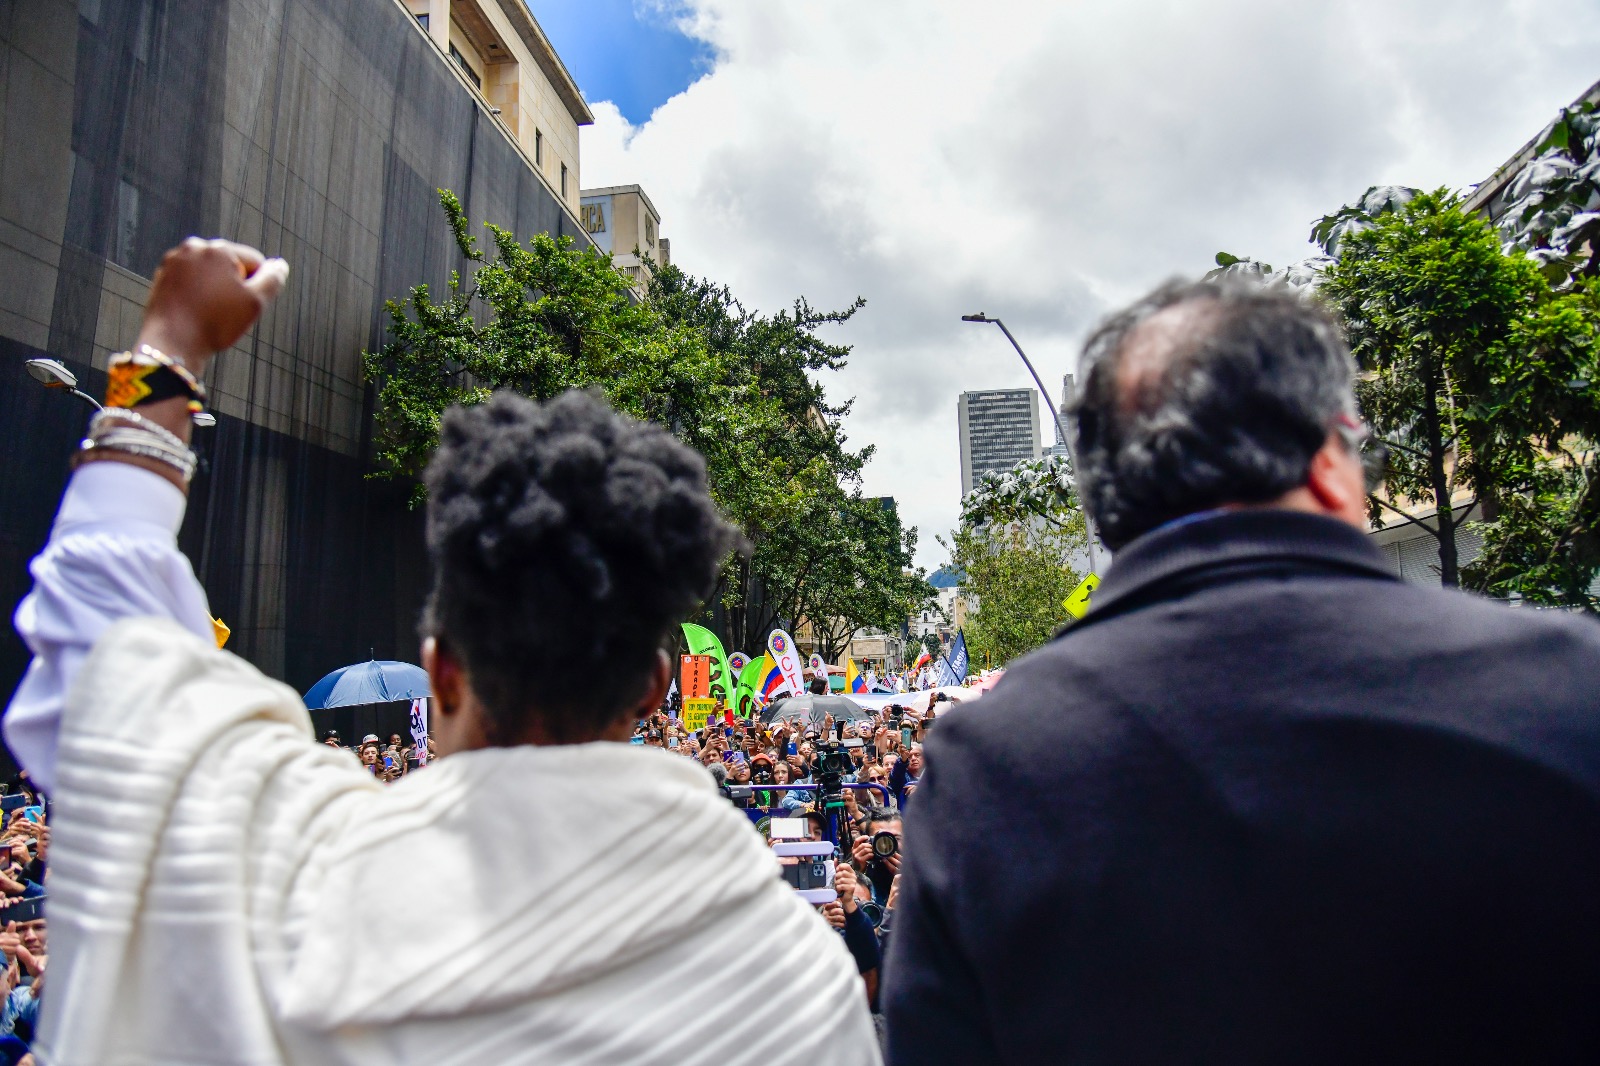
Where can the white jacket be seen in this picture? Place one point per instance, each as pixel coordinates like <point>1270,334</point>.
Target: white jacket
<point>225,890</point>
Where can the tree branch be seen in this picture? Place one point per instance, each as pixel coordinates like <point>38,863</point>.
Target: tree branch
<point>1409,519</point>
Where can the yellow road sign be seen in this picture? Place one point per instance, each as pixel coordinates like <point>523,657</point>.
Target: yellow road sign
<point>1077,604</point>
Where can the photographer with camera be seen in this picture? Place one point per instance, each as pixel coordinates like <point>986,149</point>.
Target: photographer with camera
<point>876,853</point>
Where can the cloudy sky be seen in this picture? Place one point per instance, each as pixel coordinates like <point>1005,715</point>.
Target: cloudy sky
<point>1042,162</point>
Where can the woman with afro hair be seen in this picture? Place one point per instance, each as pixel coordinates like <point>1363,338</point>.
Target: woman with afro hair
<point>225,889</point>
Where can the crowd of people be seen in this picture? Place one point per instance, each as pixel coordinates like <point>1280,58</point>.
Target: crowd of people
<point>1265,803</point>
<point>386,761</point>
<point>24,869</point>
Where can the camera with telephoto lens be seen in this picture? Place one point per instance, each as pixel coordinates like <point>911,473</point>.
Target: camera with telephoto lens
<point>884,844</point>
<point>833,757</point>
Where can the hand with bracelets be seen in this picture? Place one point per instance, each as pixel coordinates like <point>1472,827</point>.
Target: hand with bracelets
<point>204,296</point>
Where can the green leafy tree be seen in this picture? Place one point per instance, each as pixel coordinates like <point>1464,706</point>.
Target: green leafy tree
<point>1033,491</point>
<point>1551,209</point>
<point>1016,580</point>
<point>1428,302</point>
<point>1019,530</point>
<point>821,551</point>
<point>537,318</point>
<point>744,389</point>
<point>1468,360</point>
<point>865,578</point>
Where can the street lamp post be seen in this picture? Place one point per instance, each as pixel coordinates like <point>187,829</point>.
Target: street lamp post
<point>53,374</point>
<point>1055,415</point>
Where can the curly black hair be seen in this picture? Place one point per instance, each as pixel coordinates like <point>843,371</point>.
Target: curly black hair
<point>567,543</point>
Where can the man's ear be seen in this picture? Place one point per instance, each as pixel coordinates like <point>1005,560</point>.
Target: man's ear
<point>1337,484</point>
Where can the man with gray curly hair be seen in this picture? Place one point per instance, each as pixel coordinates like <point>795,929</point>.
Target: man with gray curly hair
<point>1265,803</point>
<point>226,890</point>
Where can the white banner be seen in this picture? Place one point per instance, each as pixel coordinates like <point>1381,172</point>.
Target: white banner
<point>818,667</point>
<point>781,645</point>
<point>419,730</point>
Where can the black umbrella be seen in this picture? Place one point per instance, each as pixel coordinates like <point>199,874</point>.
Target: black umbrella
<point>811,709</point>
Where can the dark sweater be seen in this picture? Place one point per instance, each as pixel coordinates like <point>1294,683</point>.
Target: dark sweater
<point>1266,804</point>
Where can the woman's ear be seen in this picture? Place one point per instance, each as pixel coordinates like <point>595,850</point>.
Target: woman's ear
<point>444,677</point>
<point>455,719</point>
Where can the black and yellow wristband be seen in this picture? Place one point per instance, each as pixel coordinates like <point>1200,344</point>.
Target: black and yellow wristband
<point>146,376</point>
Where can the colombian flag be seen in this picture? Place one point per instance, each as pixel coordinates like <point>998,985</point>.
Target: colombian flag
<point>853,681</point>
<point>771,681</point>
<point>922,660</point>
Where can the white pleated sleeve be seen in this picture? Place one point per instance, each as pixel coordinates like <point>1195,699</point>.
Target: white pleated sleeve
<point>113,554</point>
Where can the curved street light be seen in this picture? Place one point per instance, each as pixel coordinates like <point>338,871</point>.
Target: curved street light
<point>53,374</point>
<point>1094,559</point>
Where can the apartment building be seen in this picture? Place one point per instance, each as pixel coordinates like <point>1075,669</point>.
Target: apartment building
<point>620,219</point>
<point>505,57</point>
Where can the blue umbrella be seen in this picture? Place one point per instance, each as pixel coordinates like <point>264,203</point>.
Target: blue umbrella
<point>374,681</point>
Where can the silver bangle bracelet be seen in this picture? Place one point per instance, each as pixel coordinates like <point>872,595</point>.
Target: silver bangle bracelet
<point>139,436</point>
<point>143,440</point>
<point>110,418</point>
<point>129,444</point>
<point>179,459</point>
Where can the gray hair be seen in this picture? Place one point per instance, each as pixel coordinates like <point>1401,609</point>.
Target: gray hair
<point>1233,411</point>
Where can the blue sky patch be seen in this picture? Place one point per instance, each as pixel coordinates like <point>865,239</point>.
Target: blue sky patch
<point>625,51</point>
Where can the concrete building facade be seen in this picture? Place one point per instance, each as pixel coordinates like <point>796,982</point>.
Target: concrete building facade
<point>999,428</point>
<point>318,130</point>
<point>506,59</point>
<point>1059,448</point>
<point>620,219</point>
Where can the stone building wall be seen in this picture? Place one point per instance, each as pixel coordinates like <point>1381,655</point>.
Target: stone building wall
<point>318,130</point>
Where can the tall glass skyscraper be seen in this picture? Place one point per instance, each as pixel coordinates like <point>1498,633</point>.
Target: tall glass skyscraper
<point>999,429</point>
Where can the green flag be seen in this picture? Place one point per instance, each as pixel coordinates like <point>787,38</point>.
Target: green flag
<point>750,678</point>
<point>704,642</point>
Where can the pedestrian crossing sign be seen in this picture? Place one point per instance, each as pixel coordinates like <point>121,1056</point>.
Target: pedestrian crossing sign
<point>1077,604</point>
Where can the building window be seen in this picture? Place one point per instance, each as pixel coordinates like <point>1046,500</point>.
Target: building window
<point>538,148</point>
<point>563,181</point>
<point>461,61</point>
<point>422,20</point>
<point>126,233</point>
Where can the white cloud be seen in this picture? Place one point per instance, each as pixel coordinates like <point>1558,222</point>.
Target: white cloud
<point>1046,161</point>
